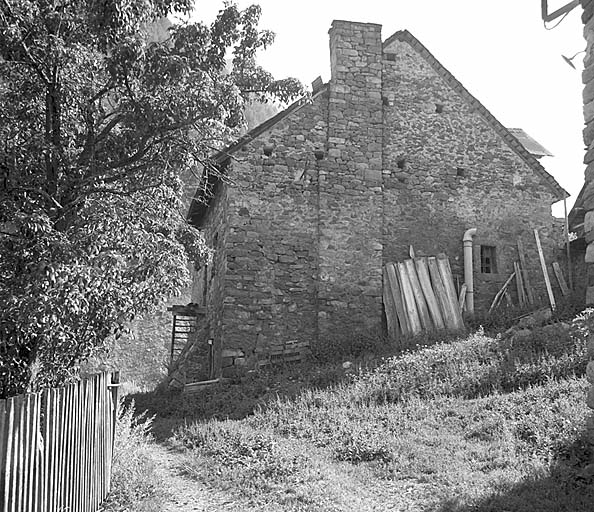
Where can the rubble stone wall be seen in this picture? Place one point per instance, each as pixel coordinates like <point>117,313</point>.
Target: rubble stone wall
<point>446,170</point>
<point>271,284</point>
<point>209,280</point>
<point>350,249</point>
<point>588,195</point>
<point>387,155</point>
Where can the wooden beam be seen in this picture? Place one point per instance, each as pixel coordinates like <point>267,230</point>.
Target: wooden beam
<point>398,299</point>
<point>545,273</point>
<point>500,293</point>
<point>462,297</point>
<point>441,294</point>
<point>446,274</point>
<point>425,280</point>
<point>560,279</point>
<point>390,308</point>
<point>418,294</point>
<point>409,299</point>
<point>524,267</point>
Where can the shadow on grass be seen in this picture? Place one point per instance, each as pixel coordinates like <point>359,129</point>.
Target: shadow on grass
<point>233,399</point>
<point>567,487</point>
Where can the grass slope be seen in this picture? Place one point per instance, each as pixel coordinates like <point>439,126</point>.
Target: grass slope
<point>480,424</point>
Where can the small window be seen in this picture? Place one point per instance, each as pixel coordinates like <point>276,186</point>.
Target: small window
<point>461,172</point>
<point>488,260</point>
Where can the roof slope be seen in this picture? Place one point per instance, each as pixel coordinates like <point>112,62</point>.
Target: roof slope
<point>405,36</point>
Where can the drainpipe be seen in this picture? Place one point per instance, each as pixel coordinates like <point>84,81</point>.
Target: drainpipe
<point>468,277</point>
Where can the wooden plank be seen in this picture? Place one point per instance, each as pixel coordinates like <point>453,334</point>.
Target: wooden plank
<point>17,456</point>
<point>60,448</point>
<point>425,280</point>
<point>69,451</point>
<point>3,442</point>
<point>6,467</point>
<point>29,451</point>
<point>462,297</point>
<point>545,273</point>
<point>409,299</point>
<point>417,290</point>
<point>397,297</point>
<point>560,279</point>
<point>49,447</point>
<point>390,308</point>
<point>524,268</point>
<point>101,440</point>
<point>37,466</point>
<point>440,294</point>
<point>443,264</point>
<point>12,453</point>
<point>519,284</point>
<point>502,290</point>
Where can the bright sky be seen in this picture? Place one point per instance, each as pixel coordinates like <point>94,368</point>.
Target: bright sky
<point>499,50</point>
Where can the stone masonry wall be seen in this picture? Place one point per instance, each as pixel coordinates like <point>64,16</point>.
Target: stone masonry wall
<point>446,170</point>
<point>273,235</point>
<point>386,156</point>
<point>350,274</point>
<point>209,282</point>
<point>588,196</point>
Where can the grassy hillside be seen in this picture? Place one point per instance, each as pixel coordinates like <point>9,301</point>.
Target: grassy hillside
<point>476,424</point>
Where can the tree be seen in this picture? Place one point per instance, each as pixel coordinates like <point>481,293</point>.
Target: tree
<point>97,126</point>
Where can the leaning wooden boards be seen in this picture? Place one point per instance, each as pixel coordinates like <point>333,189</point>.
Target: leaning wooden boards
<point>419,295</point>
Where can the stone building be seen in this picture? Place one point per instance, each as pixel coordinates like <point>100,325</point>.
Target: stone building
<point>393,152</point>
<point>586,198</point>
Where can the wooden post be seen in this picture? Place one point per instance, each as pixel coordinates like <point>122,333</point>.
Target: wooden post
<point>560,279</point>
<point>525,276</point>
<point>544,271</point>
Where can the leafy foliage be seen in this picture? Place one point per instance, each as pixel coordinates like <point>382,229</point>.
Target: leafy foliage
<point>100,120</point>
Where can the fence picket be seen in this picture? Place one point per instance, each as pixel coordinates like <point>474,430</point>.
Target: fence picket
<point>56,447</point>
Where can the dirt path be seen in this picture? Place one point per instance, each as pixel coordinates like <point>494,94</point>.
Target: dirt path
<point>184,493</point>
<point>188,495</point>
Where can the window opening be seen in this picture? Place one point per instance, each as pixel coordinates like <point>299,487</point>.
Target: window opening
<point>488,259</point>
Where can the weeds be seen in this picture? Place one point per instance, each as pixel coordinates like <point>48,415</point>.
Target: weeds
<point>135,485</point>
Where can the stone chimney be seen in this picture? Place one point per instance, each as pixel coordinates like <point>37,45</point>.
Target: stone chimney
<point>350,184</point>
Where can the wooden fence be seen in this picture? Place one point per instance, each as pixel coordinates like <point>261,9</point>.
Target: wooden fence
<point>56,447</point>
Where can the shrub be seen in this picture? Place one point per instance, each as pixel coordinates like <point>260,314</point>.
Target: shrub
<point>135,484</point>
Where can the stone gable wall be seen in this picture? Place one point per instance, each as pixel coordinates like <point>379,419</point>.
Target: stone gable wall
<point>271,284</point>
<point>336,188</point>
<point>212,277</point>
<point>446,170</point>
